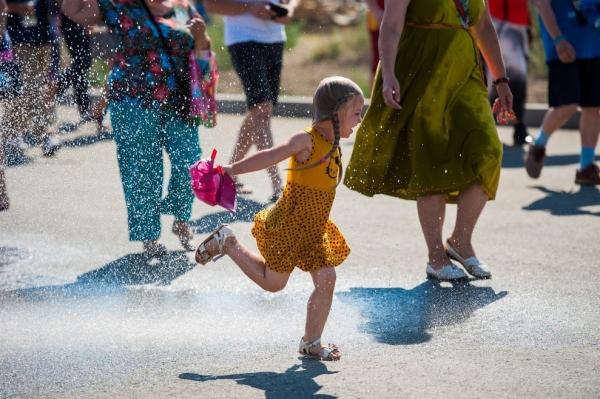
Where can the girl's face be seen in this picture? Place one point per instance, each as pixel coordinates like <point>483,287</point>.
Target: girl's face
<point>351,116</point>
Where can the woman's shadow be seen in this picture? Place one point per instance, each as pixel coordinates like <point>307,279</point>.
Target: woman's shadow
<point>297,382</point>
<point>396,316</point>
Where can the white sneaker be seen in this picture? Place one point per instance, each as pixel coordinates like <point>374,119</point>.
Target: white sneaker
<point>50,146</point>
<point>16,144</point>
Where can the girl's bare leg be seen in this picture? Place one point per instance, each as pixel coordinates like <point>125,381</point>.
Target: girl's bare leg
<point>432,211</point>
<point>251,264</point>
<point>319,304</point>
<point>471,202</point>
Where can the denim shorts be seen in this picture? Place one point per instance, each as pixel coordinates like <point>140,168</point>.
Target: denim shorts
<point>574,83</point>
<point>258,66</point>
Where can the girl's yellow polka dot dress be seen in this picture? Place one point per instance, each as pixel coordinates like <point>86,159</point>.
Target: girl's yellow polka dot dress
<point>297,231</point>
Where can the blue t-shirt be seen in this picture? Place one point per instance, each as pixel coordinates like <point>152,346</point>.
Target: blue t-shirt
<point>585,39</point>
<point>36,35</point>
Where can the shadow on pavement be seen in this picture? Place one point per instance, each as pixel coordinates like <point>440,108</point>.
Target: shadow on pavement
<point>131,269</point>
<point>513,158</point>
<point>566,203</point>
<point>139,269</point>
<point>245,211</point>
<point>297,382</point>
<point>396,316</point>
<point>80,141</point>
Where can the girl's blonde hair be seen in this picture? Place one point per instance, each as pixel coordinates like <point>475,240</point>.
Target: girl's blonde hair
<point>332,94</point>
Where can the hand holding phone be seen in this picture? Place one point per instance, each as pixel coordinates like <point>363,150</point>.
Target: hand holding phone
<point>278,9</point>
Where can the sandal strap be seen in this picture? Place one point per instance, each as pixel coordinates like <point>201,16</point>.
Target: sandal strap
<point>203,254</point>
<point>306,345</point>
<point>222,235</point>
<point>328,350</point>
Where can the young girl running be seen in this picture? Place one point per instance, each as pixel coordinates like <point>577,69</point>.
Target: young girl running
<point>297,231</point>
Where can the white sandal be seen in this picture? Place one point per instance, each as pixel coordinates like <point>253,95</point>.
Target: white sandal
<point>221,234</point>
<point>324,353</point>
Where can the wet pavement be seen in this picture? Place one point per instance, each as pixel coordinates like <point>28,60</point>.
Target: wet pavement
<point>85,314</point>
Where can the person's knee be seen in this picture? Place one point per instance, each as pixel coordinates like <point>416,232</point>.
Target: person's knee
<point>277,285</point>
<point>261,110</point>
<point>325,279</point>
<point>566,110</point>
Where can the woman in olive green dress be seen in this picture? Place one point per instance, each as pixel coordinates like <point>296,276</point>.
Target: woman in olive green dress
<point>429,133</point>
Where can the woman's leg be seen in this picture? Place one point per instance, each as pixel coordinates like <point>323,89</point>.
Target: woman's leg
<point>182,145</point>
<point>139,153</point>
<point>4,203</point>
<point>251,264</point>
<point>471,202</point>
<point>256,129</point>
<point>319,304</point>
<point>432,210</point>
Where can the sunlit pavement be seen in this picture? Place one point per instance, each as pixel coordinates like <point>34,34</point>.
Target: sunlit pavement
<point>85,315</point>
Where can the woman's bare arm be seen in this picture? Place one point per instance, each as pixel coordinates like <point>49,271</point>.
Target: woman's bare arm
<point>83,12</point>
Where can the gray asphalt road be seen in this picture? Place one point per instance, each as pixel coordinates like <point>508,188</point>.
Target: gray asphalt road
<point>85,315</point>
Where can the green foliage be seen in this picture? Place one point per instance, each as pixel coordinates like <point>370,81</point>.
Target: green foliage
<point>98,72</point>
<point>293,32</point>
<point>215,31</point>
<point>537,58</point>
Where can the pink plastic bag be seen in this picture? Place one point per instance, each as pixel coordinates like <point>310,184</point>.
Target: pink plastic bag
<point>211,185</point>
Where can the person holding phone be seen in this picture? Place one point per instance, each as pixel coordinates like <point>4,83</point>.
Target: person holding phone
<point>255,35</point>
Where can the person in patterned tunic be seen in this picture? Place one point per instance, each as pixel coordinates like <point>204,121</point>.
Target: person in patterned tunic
<point>145,113</point>
<point>297,231</point>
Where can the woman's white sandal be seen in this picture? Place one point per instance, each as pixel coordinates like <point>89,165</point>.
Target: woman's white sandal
<point>473,265</point>
<point>324,353</point>
<point>221,234</point>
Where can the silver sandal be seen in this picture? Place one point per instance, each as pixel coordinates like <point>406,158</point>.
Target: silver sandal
<point>221,234</point>
<point>324,353</point>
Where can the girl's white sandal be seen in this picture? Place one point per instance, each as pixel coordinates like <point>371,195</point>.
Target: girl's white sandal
<point>324,353</point>
<point>221,234</point>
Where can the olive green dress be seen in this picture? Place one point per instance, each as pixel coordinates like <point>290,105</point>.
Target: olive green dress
<point>444,138</point>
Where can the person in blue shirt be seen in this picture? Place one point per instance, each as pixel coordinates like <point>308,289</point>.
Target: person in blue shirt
<point>572,46</point>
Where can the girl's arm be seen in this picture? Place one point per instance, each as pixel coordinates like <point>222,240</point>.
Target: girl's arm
<point>566,52</point>
<point>487,41</point>
<point>390,32</point>
<point>299,145</point>
<point>83,12</point>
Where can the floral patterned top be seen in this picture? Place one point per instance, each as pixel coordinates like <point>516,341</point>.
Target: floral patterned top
<point>142,75</point>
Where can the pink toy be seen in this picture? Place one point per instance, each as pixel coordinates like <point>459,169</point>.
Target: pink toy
<point>211,185</point>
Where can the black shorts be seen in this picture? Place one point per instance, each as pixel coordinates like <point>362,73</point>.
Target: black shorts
<point>574,83</point>
<point>259,67</point>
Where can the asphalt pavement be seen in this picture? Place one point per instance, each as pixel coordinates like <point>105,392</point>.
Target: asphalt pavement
<point>85,315</point>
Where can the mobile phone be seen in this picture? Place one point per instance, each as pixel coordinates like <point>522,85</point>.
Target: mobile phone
<point>279,10</point>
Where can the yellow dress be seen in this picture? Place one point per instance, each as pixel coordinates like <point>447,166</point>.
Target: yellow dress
<point>297,231</point>
<point>444,138</point>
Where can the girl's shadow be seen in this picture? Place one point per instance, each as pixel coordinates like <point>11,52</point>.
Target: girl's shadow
<point>297,382</point>
<point>396,316</point>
